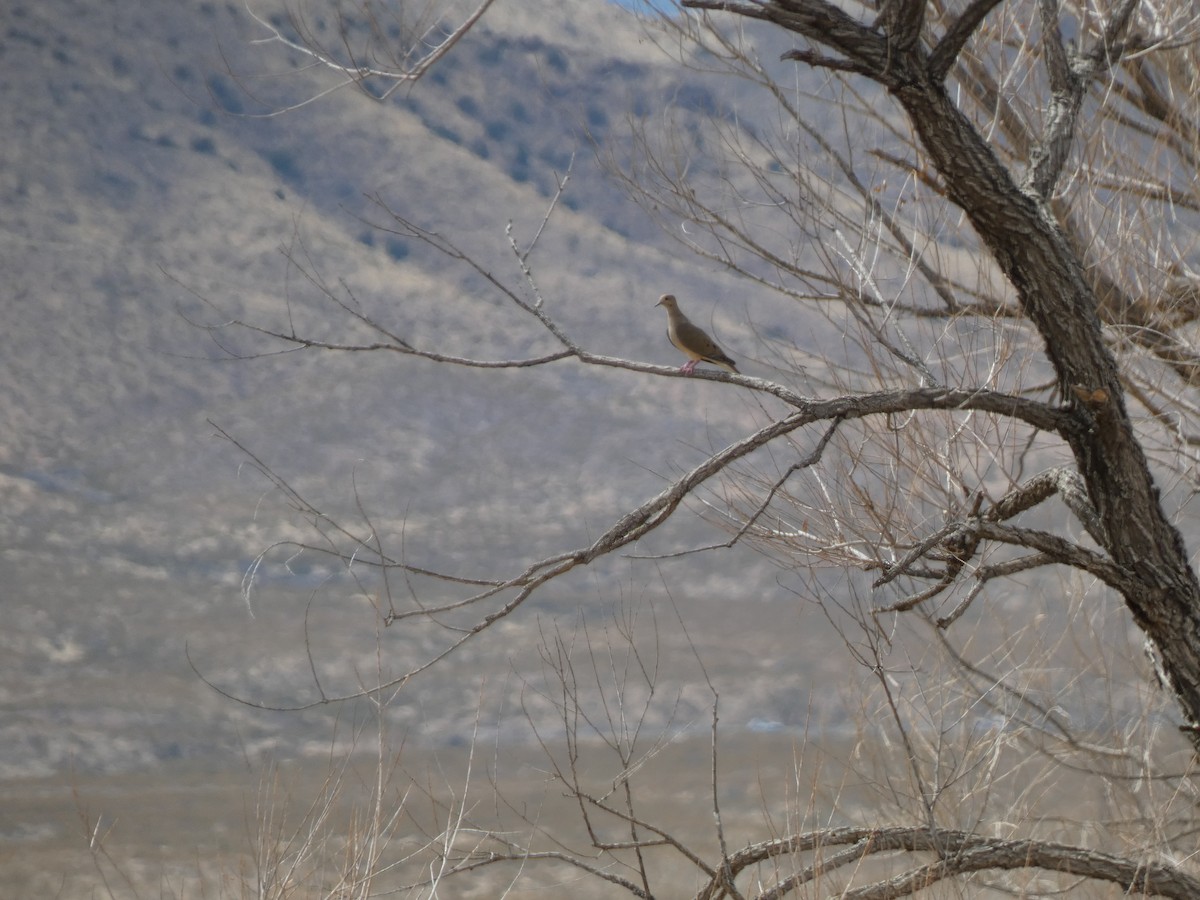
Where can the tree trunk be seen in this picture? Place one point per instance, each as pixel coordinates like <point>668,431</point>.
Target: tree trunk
<point>1036,257</point>
<point>1018,227</point>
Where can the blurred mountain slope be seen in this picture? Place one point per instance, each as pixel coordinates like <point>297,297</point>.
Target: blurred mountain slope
<point>148,196</point>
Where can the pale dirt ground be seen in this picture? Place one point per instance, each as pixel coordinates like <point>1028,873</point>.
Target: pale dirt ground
<point>190,834</point>
<point>186,833</point>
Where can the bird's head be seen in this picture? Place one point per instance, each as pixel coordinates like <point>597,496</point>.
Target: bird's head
<point>667,300</point>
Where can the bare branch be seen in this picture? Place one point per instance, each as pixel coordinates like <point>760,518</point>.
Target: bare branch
<point>820,61</point>
<point>1068,81</point>
<point>957,35</point>
<point>984,574</point>
<point>817,20</point>
<point>957,542</point>
<point>962,852</point>
<point>1067,89</point>
<point>903,21</point>
<point>353,73</point>
<point>1063,551</point>
<point>1064,481</point>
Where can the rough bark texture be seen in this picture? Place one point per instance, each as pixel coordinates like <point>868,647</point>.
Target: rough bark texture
<point>1019,229</point>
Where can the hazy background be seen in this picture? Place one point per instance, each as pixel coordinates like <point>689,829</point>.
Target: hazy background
<point>146,198</point>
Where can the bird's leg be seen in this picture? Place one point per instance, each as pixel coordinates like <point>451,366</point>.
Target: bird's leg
<point>688,366</point>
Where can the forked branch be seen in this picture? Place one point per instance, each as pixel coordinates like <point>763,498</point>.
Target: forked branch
<point>957,542</point>
<point>957,35</point>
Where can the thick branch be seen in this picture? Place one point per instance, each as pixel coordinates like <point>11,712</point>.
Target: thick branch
<point>956,37</point>
<point>962,853</point>
<point>656,511</point>
<point>903,21</point>
<point>1067,89</point>
<point>823,23</point>
<point>1060,480</point>
<point>1069,79</point>
<point>1062,551</point>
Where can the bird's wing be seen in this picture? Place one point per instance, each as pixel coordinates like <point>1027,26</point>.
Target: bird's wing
<point>696,343</point>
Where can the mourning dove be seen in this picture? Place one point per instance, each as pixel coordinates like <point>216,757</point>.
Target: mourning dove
<point>692,340</point>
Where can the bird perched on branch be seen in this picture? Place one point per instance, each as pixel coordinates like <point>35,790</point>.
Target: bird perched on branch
<point>691,339</point>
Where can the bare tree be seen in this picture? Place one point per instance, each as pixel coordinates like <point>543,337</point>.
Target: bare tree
<point>1024,219</point>
<point>1004,231</point>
